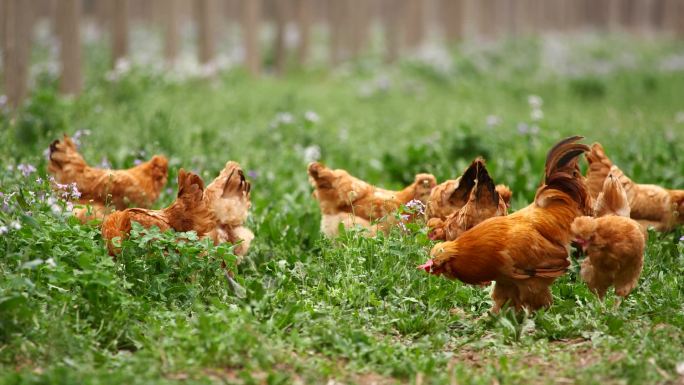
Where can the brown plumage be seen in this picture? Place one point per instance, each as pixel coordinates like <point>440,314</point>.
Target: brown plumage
<point>228,197</point>
<point>614,246</point>
<point>526,251</point>
<point>188,212</point>
<point>650,205</point>
<point>483,202</point>
<point>138,186</point>
<point>612,200</point>
<point>348,200</point>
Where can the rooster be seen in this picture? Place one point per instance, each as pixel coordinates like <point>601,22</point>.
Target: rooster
<point>483,202</point>
<point>188,212</point>
<point>526,251</point>
<point>139,186</point>
<point>650,205</point>
<point>228,197</point>
<point>350,201</point>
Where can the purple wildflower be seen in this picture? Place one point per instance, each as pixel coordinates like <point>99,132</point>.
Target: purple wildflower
<point>523,128</point>
<point>104,163</point>
<point>137,162</point>
<point>681,239</point>
<point>416,206</point>
<point>253,174</point>
<point>26,169</point>
<point>78,135</point>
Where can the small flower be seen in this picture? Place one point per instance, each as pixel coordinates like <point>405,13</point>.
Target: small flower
<point>3,230</point>
<point>253,174</point>
<point>39,180</point>
<point>78,135</point>
<point>104,163</point>
<point>26,169</point>
<point>75,194</point>
<point>523,128</point>
<point>681,239</point>
<point>312,153</point>
<point>405,217</point>
<point>51,262</point>
<point>282,118</point>
<point>493,120</point>
<point>169,191</point>
<point>535,101</point>
<point>536,115</point>
<point>46,153</point>
<point>15,225</point>
<point>311,117</point>
<point>416,206</point>
<point>137,162</point>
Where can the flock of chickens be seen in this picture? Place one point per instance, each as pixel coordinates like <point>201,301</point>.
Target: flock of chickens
<point>605,214</point>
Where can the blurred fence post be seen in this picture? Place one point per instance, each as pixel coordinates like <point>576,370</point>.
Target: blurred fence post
<point>68,26</point>
<point>205,16</point>
<point>170,14</point>
<point>415,24</point>
<point>392,31</point>
<point>119,30</point>
<point>16,50</point>
<point>452,19</point>
<point>251,21</point>
<point>280,49</point>
<point>304,16</point>
<point>335,15</point>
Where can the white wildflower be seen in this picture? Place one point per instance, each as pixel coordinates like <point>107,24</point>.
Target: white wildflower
<point>536,115</point>
<point>311,117</point>
<point>15,225</point>
<point>3,230</point>
<point>535,101</point>
<point>312,153</point>
<point>493,120</point>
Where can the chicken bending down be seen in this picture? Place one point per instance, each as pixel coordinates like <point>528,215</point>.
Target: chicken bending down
<point>139,186</point>
<point>228,197</point>
<point>526,251</point>
<point>650,205</point>
<point>349,201</point>
<point>188,212</point>
<point>483,202</point>
<point>614,246</point>
<point>91,211</point>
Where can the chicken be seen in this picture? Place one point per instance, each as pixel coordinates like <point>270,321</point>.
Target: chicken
<point>91,211</point>
<point>650,205</point>
<point>139,186</point>
<point>228,197</point>
<point>451,195</point>
<point>614,246</point>
<point>526,251</point>
<point>483,201</point>
<point>612,200</point>
<point>188,212</point>
<point>350,201</point>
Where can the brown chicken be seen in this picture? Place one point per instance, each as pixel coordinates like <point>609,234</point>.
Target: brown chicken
<point>91,211</point>
<point>650,205</point>
<point>614,246</point>
<point>228,197</point>
<point>188,212</point>
<point>351,201</point>
<point>612,200</point>
<point>450,196</point>
<point>483,202</point>
<point>138,186</point>
<point>526,251</point>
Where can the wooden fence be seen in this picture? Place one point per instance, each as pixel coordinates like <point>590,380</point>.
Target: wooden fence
<point>347,26</point>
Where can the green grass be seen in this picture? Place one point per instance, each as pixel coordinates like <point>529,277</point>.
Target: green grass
<point>351,309</point>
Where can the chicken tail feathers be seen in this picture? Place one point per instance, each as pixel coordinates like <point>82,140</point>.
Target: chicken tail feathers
<point>64,152</point>
<point>485,190</point>
<point>563,173</point>
<point>467,181</point>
